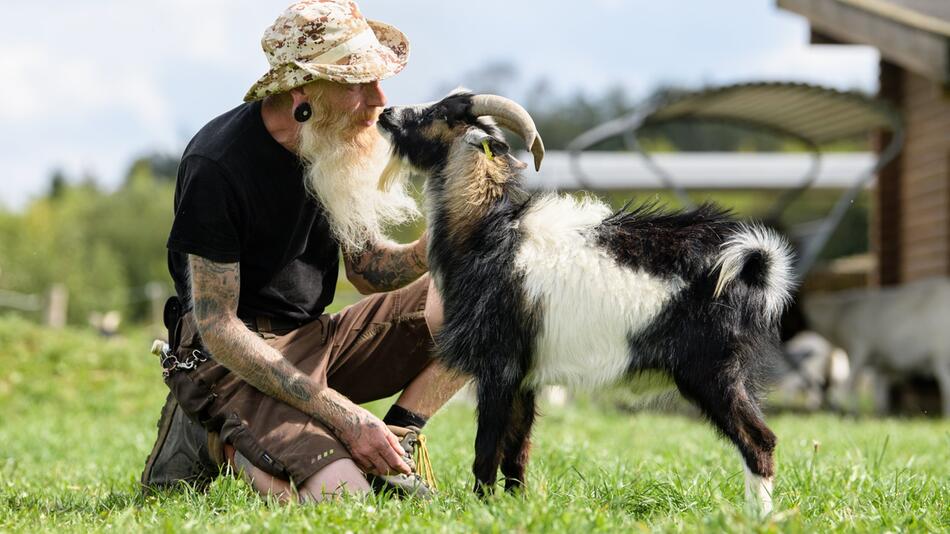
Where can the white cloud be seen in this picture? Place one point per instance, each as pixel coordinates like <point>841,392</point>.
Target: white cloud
<point>43,87</point>
<point>19,101</point>
<point>842,67</point>
<point>141,68</point>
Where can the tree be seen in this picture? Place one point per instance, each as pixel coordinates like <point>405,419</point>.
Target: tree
<point>162,166</point>
<point>57,184</point>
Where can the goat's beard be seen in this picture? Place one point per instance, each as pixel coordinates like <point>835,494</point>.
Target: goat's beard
<point>350,172</point>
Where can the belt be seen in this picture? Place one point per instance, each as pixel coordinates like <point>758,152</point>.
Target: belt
<point>271,324</point>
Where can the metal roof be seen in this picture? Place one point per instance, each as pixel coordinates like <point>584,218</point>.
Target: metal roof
<point>813,114</point>
<point>698,170</point>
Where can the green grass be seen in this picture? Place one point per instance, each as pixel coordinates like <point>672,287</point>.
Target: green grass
<point>77,416</point>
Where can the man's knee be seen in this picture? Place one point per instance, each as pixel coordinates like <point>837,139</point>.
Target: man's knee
<point>265,484</point>
<point>341,476</point>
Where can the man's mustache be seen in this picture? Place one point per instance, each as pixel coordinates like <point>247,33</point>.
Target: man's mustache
<point>372,114</point>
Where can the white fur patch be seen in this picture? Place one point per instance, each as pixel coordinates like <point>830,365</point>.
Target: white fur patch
<point>779,278</point>
<point>758,490</point>
<point>591,305</point>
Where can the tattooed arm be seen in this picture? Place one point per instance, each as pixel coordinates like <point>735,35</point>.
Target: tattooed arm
<point>386,266</point>
<point>215,289</point>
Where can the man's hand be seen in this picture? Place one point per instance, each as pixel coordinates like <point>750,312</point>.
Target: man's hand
<point>215,292</point>
<point>374,448</point>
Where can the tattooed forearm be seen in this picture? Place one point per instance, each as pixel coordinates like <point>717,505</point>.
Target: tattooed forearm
<point>292,384</point>
<point>215,293</point>
<point>338,412</point>
<point>385,267</point>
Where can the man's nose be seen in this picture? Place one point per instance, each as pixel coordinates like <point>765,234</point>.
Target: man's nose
<point>374,95</point>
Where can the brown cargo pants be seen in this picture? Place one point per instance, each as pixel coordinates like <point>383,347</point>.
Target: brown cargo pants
<point>368,351</point>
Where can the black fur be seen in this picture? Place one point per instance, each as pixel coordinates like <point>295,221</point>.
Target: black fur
<point>716,351</point>
<point>409,139</point>
<point>713,349</point>
<point>667,243</point>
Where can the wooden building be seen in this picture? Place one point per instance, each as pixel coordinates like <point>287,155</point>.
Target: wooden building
<point>911,226</point>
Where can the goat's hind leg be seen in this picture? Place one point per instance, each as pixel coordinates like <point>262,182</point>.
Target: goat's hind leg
<point>517,442</point>
<point>728,405</point>
<point>494,416</point>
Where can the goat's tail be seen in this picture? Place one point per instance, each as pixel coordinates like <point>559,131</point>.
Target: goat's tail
<point>761,260</point>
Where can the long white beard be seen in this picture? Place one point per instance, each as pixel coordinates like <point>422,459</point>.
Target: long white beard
<point>346,176</point>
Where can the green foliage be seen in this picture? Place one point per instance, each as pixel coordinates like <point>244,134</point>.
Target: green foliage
<point>79,417</point>
<point>104,246</point>
<point>563,119</point>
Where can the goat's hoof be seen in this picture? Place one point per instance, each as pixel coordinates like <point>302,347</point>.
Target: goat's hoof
<point>514,486</point>
<point>483,489</point>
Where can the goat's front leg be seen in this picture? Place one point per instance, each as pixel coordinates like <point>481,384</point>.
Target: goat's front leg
<point>517,443</point>
<point>494,415</point>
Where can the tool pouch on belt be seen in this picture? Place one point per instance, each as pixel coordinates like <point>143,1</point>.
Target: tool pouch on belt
<point>191,384</point>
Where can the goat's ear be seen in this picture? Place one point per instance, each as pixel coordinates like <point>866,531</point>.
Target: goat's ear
<point>497,146</point>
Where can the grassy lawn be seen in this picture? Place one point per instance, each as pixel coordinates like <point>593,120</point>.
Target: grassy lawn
<point>78,413</point>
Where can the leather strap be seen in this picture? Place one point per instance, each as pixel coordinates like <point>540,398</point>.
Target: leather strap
<point>265,325</point>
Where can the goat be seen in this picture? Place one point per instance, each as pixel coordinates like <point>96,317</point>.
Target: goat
<point>548,289</point>
<point>897,331</point>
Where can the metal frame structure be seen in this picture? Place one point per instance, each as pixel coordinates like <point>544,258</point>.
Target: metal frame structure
<point>812,115</point>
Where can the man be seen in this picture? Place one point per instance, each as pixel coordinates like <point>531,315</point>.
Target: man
<point>266,196</point>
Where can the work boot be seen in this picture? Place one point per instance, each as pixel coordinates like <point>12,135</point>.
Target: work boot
<point>183,452</point>
<point>421,483</point>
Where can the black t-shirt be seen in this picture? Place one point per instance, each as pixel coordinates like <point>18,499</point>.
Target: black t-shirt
<point>240,197</point>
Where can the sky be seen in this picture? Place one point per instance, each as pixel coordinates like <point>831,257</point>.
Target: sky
<point>86,86</point>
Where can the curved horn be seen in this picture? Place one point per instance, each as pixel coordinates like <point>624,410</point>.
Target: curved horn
<point>511,115</point>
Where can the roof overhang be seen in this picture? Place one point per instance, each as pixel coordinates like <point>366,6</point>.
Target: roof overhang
<point>914,34</point>
<point>814,115</point>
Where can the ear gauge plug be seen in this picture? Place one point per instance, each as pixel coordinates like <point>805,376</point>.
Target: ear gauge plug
<point>303,112</point>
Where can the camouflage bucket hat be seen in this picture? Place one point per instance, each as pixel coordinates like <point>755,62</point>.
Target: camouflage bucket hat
<point>328,40</point>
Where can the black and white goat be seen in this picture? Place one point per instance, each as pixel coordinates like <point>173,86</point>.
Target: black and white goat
<point>548,289</point>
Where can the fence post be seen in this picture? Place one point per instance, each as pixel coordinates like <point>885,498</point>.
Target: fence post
<point>155,291</point>
<point>57,306</point>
